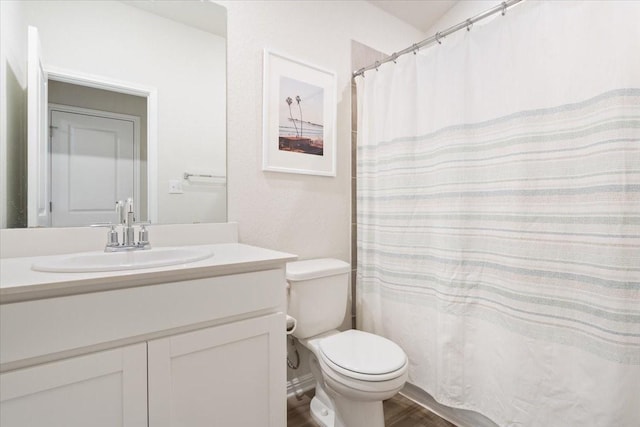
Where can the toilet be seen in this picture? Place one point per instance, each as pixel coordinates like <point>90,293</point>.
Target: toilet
<point>354,370</point>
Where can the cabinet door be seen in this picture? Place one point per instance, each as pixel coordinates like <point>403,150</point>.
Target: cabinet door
<point>228,375</point>
<point>107,388</point>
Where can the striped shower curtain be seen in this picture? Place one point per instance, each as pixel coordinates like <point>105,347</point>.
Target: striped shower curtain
<point>498,200</point>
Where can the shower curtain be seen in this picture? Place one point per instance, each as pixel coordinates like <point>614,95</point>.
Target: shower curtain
<point>498,203</point>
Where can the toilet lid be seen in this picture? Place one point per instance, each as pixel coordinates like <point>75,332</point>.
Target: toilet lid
<point>363,353</point>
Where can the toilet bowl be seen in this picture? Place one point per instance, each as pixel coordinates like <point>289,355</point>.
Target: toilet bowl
<point>354,370</point>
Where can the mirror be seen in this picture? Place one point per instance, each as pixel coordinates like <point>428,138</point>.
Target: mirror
<point>136,108</point>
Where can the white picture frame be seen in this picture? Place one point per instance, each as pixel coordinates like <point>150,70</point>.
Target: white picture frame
<point>299,117</point>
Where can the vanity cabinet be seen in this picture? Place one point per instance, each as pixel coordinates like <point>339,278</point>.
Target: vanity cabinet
<point>103,389</point>
<point>203,351</point>
<point>200,378</point>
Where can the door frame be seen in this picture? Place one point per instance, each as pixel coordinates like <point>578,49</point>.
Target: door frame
<point>38,188</point>
<point>148,92</point>
<point>107,115</point>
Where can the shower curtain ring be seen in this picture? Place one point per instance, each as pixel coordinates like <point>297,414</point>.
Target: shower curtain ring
<point>415,48</point>
<point>377,64</point>
<point>504,8</point>
<point>469,24</point>
<point>394,56</point>
<point>438,37</point>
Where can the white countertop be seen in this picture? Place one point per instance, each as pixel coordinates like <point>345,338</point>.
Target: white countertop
<point>18,282</point>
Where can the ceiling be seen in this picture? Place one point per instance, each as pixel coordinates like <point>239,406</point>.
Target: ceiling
<point>206,16</point>
<point>421,14</point>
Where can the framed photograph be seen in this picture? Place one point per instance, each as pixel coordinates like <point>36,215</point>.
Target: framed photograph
<point>299,117</point>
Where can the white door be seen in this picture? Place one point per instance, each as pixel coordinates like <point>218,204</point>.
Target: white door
<point>93,165</point>
<point>231,375</point>
<point>107,388</point>
<point>37,138</point>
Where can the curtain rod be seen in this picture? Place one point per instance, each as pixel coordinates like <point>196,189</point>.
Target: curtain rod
<point>502,7</point>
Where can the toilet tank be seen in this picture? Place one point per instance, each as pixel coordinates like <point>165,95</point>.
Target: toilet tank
<point>318,294</point>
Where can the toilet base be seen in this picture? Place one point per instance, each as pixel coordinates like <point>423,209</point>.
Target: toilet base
<point>353,413</point>
<point>322,414</point>
<point>330,408</point>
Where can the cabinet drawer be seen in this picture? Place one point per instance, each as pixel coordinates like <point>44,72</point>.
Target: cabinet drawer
<point>33,329</point>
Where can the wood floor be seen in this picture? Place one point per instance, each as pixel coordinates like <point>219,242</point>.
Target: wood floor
<point>398,412</point>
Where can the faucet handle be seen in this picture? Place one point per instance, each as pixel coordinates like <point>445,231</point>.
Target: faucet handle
<point>112,234</point>
<point>143,235</point>
<point>112,237</point>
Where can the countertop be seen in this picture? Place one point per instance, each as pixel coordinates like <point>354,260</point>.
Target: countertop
<point>18,282</point>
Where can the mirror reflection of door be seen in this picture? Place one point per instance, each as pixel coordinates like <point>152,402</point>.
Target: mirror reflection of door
<point>95,158</point>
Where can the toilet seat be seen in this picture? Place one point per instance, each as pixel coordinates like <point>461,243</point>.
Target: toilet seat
<point>363,356</point>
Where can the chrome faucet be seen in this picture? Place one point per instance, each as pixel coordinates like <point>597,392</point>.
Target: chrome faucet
<point>126,219</point>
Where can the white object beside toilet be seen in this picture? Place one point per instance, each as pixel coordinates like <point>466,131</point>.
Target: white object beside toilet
<point>354,370</point>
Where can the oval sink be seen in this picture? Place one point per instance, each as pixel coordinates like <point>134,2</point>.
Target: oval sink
<point>114,261</point>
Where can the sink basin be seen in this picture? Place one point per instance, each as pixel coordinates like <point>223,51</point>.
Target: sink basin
<point>115,261</point>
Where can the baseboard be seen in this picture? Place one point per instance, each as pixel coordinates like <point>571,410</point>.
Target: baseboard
<point>300,385</point>
<point>459,417</point>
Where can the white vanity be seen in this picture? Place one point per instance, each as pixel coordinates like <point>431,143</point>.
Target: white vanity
<point>195,344</point>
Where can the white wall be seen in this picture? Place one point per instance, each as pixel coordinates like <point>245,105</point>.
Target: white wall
<point>306,215</point>
<point>462,11</point>
<point>186,65</point>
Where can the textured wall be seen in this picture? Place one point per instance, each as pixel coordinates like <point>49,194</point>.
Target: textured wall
<point>305,215</point>
<point>462,11</point>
